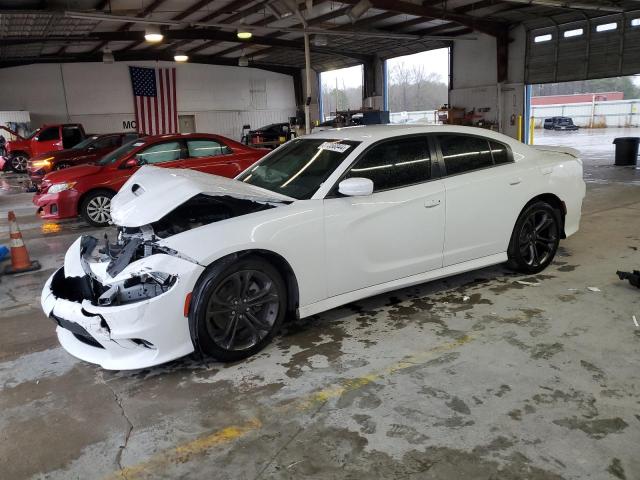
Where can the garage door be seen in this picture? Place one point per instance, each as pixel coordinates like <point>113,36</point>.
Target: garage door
<point>596,48</point>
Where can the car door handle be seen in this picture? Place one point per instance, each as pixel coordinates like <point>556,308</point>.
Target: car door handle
<point>431,203</point>
<point>515,181</point>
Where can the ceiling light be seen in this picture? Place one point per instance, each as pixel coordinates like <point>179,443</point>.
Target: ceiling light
<point>320,40</point>
<point>244,33</point>
<point>152,34</point>
<point>243,61</point>
<point>359,9</point>
<point>180,57</point>
<point>107,55</point>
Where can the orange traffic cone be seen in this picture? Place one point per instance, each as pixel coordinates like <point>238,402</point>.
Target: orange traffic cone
<point>20,261</point>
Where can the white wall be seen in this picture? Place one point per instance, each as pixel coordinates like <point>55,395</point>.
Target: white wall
<point>99,95</point>
<point>475,79</point>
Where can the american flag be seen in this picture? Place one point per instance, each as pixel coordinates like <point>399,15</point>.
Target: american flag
<point>154,99</point>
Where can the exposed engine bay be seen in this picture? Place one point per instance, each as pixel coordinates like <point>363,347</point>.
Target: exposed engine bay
<point>132,244</point>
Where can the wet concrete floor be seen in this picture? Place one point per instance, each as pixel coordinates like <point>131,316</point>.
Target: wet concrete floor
<point>535,380</point>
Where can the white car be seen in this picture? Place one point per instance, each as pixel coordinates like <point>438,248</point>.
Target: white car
<point>215,265</point>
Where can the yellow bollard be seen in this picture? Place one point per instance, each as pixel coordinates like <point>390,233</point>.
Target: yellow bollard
<point>532,126</point>
<point>520,128</point>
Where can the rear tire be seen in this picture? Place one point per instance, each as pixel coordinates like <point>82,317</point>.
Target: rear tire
<point>18,162</point>
<point>96,208</point>
<point>535,238</point>
<point>237,306</point>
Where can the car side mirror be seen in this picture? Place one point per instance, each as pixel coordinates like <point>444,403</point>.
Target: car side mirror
<point>356,187</point>
<point>132,163</point>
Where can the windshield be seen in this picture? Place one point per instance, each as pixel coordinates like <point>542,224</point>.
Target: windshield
<point>84,143</point>
<point>118,153</point>
<point>299,167</point>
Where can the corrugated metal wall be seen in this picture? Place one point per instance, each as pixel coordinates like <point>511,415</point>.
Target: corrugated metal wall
<point>598,48</point>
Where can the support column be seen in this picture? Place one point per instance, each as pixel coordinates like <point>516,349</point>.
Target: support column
<point>373,83</point>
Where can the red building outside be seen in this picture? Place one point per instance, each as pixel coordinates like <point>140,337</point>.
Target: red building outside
<point>577,98</point>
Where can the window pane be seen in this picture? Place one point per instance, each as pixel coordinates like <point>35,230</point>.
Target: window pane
<point>206,148</point>
<point>161,152</point>
<point>543,38</point>
<point>48,134</point>
<point>107,142</point>
<point>463,153</point>
<point>395,164</point>
<point>500,153</point>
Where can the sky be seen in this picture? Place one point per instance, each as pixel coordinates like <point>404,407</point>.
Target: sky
<point>436,61</point>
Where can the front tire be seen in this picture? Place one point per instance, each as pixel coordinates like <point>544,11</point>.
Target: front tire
<point>18,162</point>
<point>96,208</point>
<point>535,238</point>
<point>237,307</point>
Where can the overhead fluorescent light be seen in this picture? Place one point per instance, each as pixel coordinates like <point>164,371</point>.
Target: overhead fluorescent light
<point>152,34</point>
<point>107,55</point>
<point>180,57</point>
<point>244,33</point>
<point>320,40</point>
<point>359,9</point>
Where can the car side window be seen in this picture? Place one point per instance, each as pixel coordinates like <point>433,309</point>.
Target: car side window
<point>500,153</point>
<point>48,134</point>
<point>464,153</point>
<point>106,142</point>
<point>206,148</point>
<point>395,164</point>
<point>160,153</point>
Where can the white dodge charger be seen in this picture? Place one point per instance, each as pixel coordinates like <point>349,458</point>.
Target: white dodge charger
<point>215,265</point>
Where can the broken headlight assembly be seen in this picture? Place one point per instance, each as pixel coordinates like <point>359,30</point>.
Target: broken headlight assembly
<point>137,288</point>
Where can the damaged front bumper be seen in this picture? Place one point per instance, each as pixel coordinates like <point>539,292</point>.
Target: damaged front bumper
<point>133,319</point>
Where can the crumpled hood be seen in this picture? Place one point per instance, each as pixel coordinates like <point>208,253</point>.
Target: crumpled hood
<point>152,192</point>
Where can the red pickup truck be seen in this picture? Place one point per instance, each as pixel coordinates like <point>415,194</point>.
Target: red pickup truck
<point>45,139</point>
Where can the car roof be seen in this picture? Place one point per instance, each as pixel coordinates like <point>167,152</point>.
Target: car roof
<point>372,133</point>
<point>177,136</point>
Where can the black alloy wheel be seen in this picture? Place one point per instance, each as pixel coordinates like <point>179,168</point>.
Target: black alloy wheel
<point>18,162</point>
<point>237,308</point>
<point>535,238</point>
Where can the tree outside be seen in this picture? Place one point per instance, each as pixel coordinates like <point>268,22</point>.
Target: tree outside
<point>412,88</point>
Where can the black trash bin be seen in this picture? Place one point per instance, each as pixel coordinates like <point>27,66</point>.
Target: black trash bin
<point>626,150</point>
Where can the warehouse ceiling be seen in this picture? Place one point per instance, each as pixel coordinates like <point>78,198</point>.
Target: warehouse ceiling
<point>36,31</point>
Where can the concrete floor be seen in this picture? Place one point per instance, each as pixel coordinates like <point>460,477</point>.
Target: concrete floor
<point>520,381</point>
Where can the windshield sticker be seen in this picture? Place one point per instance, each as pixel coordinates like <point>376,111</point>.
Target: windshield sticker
<point>137,144</point>
<point>335,147</point>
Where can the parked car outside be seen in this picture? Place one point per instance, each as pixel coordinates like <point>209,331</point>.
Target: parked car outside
<point>89,150</point>
<point>269,136</point>
<point>560,123</point>
<point>44,139</point>
<point>214,265</point>
<point>87,190</point>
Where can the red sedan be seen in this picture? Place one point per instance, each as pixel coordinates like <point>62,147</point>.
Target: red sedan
<point>89,150</point>
<point>87,189</point>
